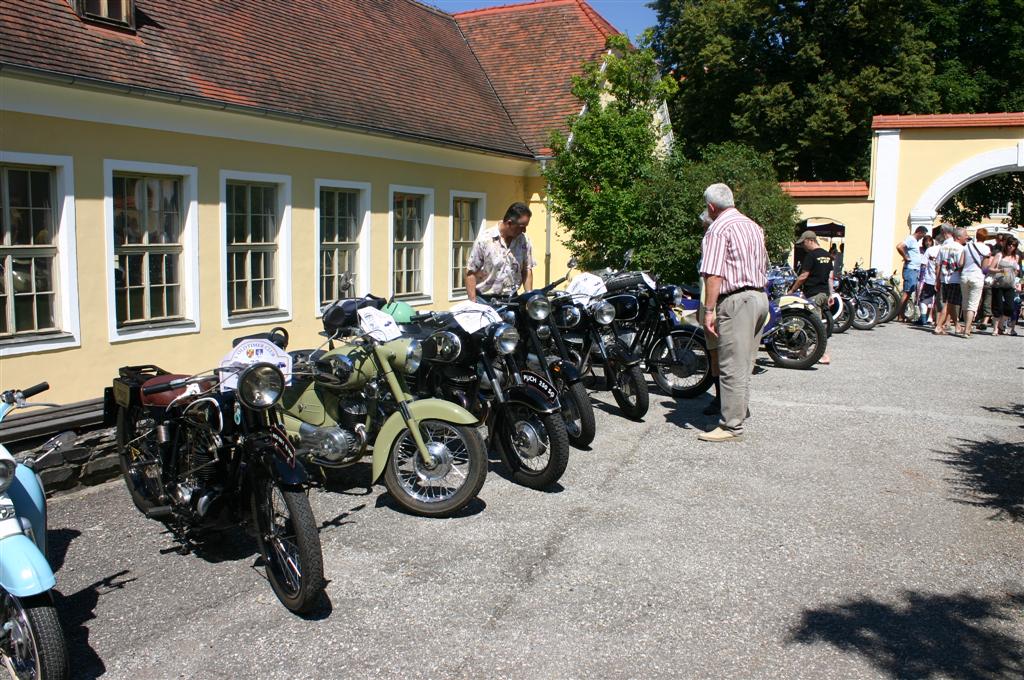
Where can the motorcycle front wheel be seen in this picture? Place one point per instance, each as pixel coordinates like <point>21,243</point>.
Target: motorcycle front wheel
<point>630,392</point>
<point>289,543</point>
<point>33,645</point>
<point>535,446</point>
<point>799,340</point>
<point>684,373</point>
<point>845,318</point>
<point>454,478</point>
<point>865,315</point>
<point>578,414</point>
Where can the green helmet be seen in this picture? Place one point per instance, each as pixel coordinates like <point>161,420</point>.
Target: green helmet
<point>401,312</point>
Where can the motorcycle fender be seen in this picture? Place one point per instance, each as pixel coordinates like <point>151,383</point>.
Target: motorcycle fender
<point>787,301</point>
<point>421,409</point>
<point>622,356</point>
<point>560,368</point>
<point>26,492</point>
<point>24,570</point>
<point>532,398</point>
<point>283,472</point>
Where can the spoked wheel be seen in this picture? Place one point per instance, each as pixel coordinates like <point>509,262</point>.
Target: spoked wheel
<point>630,392</point>
<point>451,480</point>
<point>289,543</point>
<point>138,457</point>
<point>911,312</point>
<point>865,315</point>
<point>883,303</point>
<point>578,414</point>
<point>534,445</point>
<point>32,646</point>
<point>844,319</point>
<point>682,372</point>
<point>799,342</point>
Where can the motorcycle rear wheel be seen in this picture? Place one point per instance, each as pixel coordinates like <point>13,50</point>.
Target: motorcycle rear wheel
<point>454,481</point>
<point>289,543</point>
<point>811,335</point>
<point>131,471</point>
<point>663,370</point>
<point>518,436</point>
<point>631,393</point>
<point>34,645</point>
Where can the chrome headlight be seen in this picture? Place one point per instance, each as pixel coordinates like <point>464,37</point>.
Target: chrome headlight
<point>413,356</point>
<point>7,468</point>
<point>538,307</point>
<point>677,295</point>
<point>448,346</point>
<point>544,332</point>
<point>506,338</point>
<point>260,386</point>
<point>570,316</point>
<point>604,313</point>
<point>508,316</point>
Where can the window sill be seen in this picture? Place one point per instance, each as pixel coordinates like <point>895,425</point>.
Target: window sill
<point>44,342</point>
<point>458,296</point>
<point>257,318</point>
<point>415,300</point>
<point>153,330</point>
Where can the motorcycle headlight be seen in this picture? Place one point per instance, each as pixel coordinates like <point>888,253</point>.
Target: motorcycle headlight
<point>508,316</point>
<point>677,295</point>
<point>604,313</point>
<point>413,356</point>
<point>544,332</point>
<point>506,339</point>
<point>448,346</point>
<point>7,468</point>
<point>570,316</point>
<point>260,386</point>
<point>538,307</point>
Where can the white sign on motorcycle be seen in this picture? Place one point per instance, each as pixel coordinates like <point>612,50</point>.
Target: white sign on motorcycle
<point>472,316</point>
<point>254,351</point>
<point>378,325</point>
<point>587,285</point>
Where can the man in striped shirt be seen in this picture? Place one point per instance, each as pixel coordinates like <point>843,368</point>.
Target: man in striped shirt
<point>734,262</point>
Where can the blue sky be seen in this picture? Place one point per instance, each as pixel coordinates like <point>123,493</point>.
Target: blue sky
<point>629,16</point>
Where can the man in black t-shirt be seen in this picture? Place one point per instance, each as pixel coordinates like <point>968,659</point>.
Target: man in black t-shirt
<point>816,276</point>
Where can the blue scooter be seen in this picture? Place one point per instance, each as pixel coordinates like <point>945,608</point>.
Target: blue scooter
<point>31,639</point>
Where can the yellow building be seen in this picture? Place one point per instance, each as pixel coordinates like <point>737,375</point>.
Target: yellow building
<point>175,175</point>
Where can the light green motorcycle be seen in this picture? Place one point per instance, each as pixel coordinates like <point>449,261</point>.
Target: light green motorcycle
<point>351,398</point>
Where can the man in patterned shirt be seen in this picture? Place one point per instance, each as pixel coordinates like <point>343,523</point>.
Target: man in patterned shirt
<point>502,258</point>
<point>734,263</point>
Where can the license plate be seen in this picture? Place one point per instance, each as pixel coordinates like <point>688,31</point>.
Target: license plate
<point>546,388</point>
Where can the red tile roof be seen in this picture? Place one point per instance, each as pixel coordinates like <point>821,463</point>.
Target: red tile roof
<point>389,66</point>
<point>825,189</point>
<point>949,120</point>
<point>530,52</point>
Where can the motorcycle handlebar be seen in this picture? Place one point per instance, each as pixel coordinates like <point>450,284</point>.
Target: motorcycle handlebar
<point>169,385</point>
<point>30,392</point>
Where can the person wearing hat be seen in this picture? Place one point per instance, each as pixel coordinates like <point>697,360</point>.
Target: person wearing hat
<point>816,277</point>
<point>910,251</point>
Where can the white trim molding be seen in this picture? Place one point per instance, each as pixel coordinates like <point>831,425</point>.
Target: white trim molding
<point>70,333</point>
<point>1006,159</point>
<point>189,176</point>
<point>887,164</point>
<point>366,214</point>
<point>282,261</point>
<point>428,242</point>
<point>481,199</point>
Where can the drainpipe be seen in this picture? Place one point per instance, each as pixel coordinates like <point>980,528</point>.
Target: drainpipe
<point>547,222</point>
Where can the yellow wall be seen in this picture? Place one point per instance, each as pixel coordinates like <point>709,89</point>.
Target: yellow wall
<point>81,373</point>
<point>855,213</point>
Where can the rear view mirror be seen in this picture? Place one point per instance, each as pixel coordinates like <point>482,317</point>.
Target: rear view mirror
<point>345,282</point>
<point>627,259</point>
<point>61,441</point>
<point>573,261</point>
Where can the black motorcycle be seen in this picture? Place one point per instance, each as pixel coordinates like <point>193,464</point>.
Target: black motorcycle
<point>586,327</point>
<point>197,457</point>
<point>543,351</point>
<point>473,369</point>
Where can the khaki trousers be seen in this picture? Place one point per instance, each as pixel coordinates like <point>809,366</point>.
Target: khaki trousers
<point>740,319</point>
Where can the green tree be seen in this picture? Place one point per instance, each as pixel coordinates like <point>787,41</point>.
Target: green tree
<point>974,202</point>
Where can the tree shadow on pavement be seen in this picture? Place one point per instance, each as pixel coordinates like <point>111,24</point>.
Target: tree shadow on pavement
<point>75,610</point>
<point>989,474</point>
<point>1011,410</point>
<point>924,635</point>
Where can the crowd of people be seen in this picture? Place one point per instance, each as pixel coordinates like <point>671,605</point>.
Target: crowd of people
<point>964,283</point>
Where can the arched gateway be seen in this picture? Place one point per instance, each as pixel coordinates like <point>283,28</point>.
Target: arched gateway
<point>917,163</point>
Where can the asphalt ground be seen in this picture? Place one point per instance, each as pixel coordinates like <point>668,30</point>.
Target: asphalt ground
<point>871,525</point>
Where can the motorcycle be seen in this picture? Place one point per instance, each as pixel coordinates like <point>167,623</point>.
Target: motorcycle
<point>352,397</point>
<point>466,360</point>
<point>585,320</point>
<point>544,352</point>
<point>31,639</point>
<point>204,451</point>
<point>864,314</point>
<point>673,352</point>
<point>794,335</point>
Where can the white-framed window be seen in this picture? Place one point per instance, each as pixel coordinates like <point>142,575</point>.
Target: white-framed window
<point>119,12</point>
<point>342,215</point>
<point>151,218</point>
<point>255,234</point>
<point>410,243</point>
<point>38,272</point>
<point>467,211</point>
<point>1001,209</point>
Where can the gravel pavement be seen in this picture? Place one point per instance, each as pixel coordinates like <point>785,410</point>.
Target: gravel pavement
<point>871,525</point>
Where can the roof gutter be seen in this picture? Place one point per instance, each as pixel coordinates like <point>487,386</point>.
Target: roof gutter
<point>31,73</point>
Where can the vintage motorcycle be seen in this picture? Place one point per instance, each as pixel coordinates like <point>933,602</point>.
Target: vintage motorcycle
<point>352,396</point>
<point>31,639</point>
<point>196,451</point>
<point>466,360</point>
<point>585,321</point>
<point>794,335</point>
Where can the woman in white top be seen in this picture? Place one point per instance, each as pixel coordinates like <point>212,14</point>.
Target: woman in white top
<point>974,262</point>
<point>926,281</point>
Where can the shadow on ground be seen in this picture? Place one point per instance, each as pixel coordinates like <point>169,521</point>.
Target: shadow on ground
<point>988,473</point>
<point>75,611</point>
<point>924,635</point>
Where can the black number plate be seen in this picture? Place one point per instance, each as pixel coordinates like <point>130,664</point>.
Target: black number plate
<point>541,384</point>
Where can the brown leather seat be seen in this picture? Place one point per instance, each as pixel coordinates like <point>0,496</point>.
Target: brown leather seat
<point>167,396</point>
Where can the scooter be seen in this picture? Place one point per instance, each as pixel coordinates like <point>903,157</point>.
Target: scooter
<point>31,639</point>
